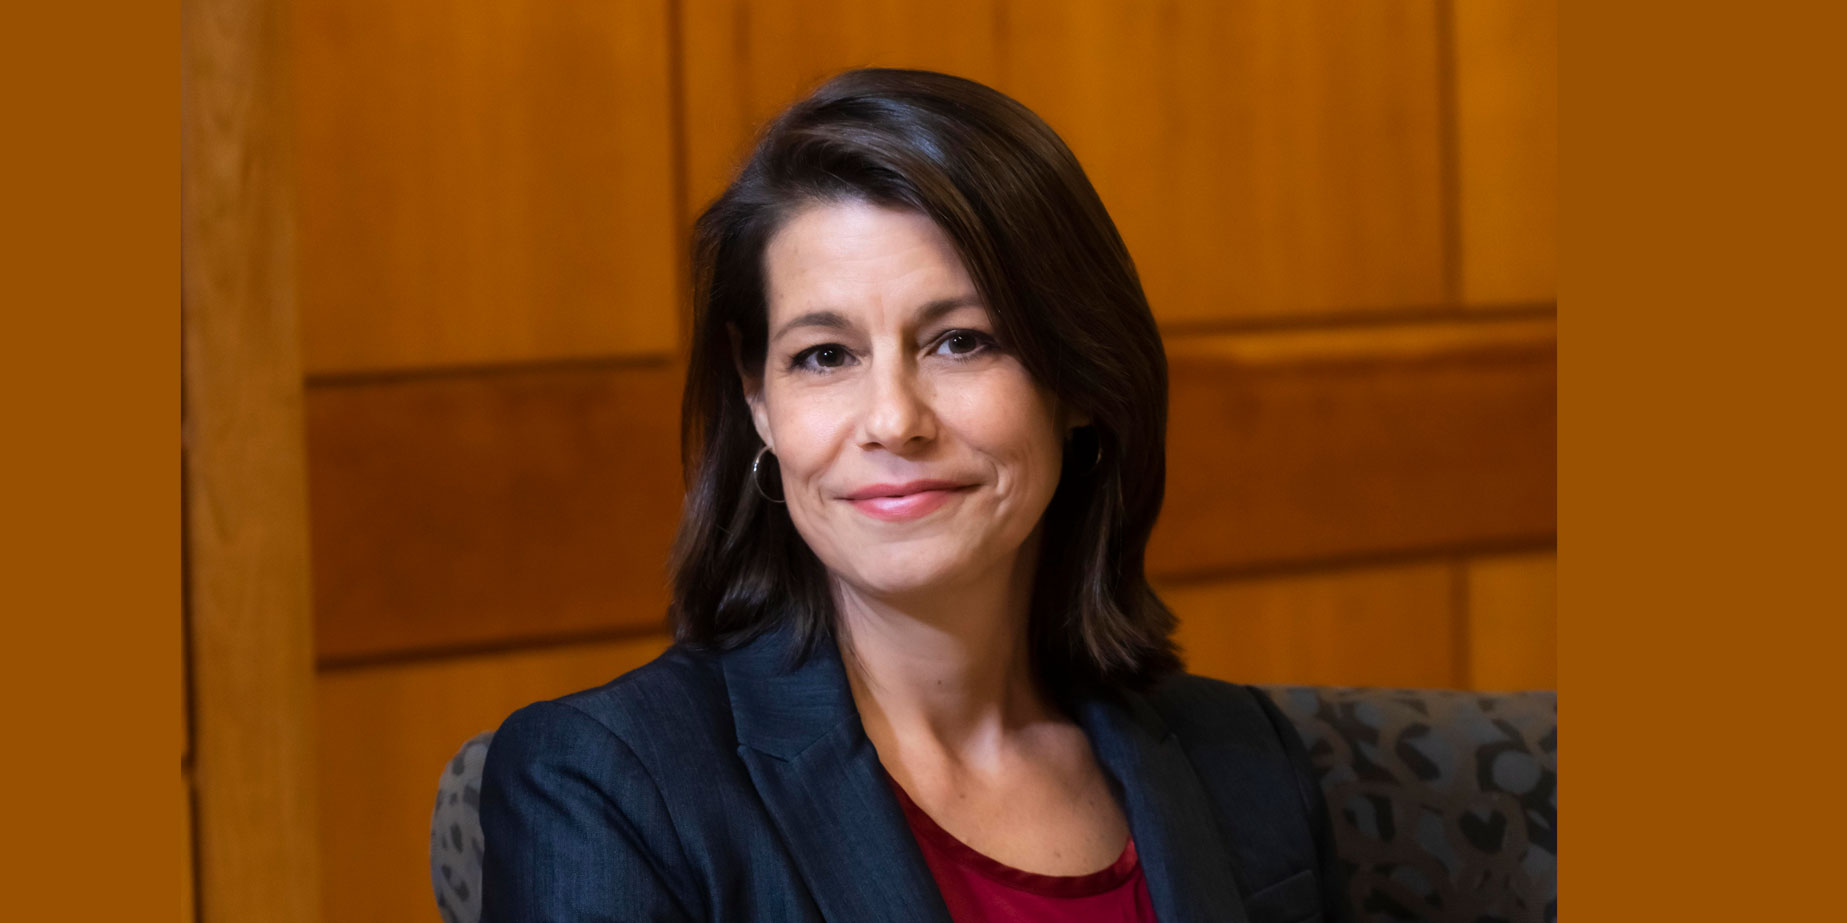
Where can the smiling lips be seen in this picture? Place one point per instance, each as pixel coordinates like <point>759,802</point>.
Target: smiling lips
<point>900,502</point>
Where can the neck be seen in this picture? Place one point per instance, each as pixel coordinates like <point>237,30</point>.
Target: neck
<point>947,674</point>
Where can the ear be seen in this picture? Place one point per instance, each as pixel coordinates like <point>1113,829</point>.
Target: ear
<point>753,388</point>
<point>1074,419</point>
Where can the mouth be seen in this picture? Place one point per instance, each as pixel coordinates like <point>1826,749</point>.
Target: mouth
<point>900,502</point>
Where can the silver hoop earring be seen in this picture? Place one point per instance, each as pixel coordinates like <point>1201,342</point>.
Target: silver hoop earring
<point>757,482</point>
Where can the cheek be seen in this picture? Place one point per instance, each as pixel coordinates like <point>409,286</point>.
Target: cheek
<point>808,433</point>
<point>1013,425</point>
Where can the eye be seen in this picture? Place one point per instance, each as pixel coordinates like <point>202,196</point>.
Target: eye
<point>821,357</point>
<point>964,344</point>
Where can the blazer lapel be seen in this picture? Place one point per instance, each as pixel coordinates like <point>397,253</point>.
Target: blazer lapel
<point>820,778</point>
<point>1190,872</point>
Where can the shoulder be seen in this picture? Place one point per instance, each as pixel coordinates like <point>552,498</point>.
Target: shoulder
<point>1201,710</point>
<point>1240,743</point>
<point>679,684</point>
<point>675,703</point>
<point>580,796</point>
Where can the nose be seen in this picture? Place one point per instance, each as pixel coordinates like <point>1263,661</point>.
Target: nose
<point>897,415</point>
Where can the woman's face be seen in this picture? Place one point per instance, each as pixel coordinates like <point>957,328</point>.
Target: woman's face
<point>916,451</point>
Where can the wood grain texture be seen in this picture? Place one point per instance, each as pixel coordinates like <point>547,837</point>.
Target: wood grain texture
<point>1507,149</point>
<point>1260,158</point>
<point>246,534</point>
<point>469,510</point>
<point>1293,447</point>
<point>1513,621</point>
<point>386,734</point>
<point>1374,626</point>
<point>484,182</point>
<point>746,60</point>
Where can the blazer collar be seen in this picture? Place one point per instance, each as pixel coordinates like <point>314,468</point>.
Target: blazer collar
<point>801,740</point>
<point>1190,871</point>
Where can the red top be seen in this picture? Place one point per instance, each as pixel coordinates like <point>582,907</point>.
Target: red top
<point>980,890</point>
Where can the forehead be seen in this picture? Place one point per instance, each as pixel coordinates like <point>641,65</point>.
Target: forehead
<point>858,258</point>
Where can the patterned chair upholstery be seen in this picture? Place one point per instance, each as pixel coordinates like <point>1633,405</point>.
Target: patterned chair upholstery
<point>455,833</point>
<point>1445,803</point>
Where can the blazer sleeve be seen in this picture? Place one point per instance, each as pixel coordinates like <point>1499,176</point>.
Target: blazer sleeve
<point>1334,901</point>
<point>574,830</point>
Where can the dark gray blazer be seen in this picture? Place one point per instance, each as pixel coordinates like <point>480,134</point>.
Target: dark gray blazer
<point>728,786</point>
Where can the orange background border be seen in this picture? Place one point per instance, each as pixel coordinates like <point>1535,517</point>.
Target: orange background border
<point>91,650</point>
<point>1701,214</point>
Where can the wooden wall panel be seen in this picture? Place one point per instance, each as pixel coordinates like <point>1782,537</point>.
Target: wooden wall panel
<point>745,60</point>
<point>1513,621</point>
<point>386,734</point>
<point>1260,158</point>
<point>1376,626</point>
<point>1507,146</point>
<point>460,511</point>
<point>245,512</point>
<point>1300,446</point>
<point>484,182</point>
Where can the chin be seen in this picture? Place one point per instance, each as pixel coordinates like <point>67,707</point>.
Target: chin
<point>898,573</point>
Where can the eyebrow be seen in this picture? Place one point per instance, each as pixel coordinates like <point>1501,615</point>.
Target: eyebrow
<point>834,320</point>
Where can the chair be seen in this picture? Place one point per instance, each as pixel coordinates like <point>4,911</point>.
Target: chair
<point>455,833</point>
<point>1444,803</point>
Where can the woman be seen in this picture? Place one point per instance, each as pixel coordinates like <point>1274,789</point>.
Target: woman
<point>920,674</point>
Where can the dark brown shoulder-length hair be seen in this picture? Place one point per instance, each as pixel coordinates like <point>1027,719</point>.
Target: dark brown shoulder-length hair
<point>1066,300</point>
